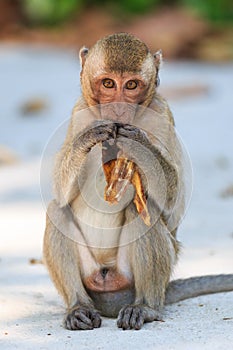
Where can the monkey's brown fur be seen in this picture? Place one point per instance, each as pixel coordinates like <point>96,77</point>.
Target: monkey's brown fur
<point>92,268</point>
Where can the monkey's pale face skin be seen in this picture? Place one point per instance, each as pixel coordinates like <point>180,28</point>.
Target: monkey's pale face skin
<point>115,87</point>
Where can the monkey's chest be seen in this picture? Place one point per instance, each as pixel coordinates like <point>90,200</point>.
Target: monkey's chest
<point>100,222</point>
<point>100,229</point>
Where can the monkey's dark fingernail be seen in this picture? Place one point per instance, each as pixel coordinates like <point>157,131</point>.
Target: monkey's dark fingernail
<point>97,323</point>
<point>84,326</point>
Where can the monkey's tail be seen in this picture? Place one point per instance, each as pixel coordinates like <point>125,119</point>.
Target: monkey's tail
<point>181,289</point>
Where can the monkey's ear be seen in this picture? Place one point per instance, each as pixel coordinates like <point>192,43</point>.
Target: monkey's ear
<point>158,57</point>
<point>83,55</point>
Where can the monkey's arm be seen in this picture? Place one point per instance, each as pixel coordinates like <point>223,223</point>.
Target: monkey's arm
<point>68,172</point>
<point>192,287</point>
<point>155,163</point>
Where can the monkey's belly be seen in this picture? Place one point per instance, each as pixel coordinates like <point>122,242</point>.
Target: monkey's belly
<point>110,303</point>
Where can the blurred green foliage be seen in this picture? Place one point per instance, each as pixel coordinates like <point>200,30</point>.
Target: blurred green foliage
<point>128,6</point>
<point>218,11</point>
<point>50,12</point>
<point>56,11</point>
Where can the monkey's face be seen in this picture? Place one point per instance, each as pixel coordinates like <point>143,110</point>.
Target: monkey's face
<point>119,70</point>
<point>115,87</point>
<point>119,94</point>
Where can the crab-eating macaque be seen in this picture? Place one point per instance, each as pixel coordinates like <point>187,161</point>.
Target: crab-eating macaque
<point>102,258</point>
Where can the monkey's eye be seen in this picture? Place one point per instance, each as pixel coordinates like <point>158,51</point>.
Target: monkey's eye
<point>131,85</point>
<point>108,83</point>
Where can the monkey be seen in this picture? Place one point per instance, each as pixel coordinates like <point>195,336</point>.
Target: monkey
<point>106,261</point>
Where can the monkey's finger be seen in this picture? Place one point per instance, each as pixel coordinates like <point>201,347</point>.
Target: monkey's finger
<point>73,323</point>
<point>129,132</point>
<point>120,318</point>
<point>96,320</point>
<point>134,130</point>
<point>133,318</point>
<point>126,315</point>
<point>104,133</point>
<point>83,317</point>
<point>140,321</point>
<point>136,320</point>
<point>134,133</point>
<point>77,324</point>
<point>93,135</point>
<point>111,127</point>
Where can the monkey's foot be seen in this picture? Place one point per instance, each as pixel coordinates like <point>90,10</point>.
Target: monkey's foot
<point>82,318</point>
<point>134,316</point>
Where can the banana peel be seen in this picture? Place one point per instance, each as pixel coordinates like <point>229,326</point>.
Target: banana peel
<point>119,173</point>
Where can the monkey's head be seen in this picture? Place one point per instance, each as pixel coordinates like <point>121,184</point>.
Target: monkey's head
<point>119,68</point>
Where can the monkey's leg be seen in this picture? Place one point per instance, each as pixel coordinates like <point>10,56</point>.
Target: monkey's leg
<point>152,258</point>
<point>62,259</point>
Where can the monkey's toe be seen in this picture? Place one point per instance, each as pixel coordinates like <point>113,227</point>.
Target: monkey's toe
<point>82,319</point>
<point>131,317</point>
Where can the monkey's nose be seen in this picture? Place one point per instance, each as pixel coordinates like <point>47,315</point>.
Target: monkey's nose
<point>119,109</point>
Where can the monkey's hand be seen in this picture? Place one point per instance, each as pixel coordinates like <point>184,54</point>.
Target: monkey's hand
<point>99,131</point>
<point>135,134</point>
<point>82,318</point>
<point>134,316</point>
<point>135,145</point>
